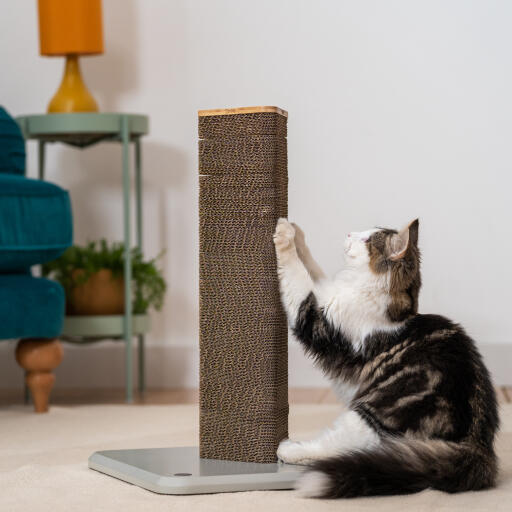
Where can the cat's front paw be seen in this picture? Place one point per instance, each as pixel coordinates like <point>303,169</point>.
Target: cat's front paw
<point>293,452</point>
<point>284,235</point>
<point>300,238</point>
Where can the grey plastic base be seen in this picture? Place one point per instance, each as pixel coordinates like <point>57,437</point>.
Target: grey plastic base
<point>182,471</point>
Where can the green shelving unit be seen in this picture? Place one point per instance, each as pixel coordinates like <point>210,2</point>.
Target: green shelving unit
<point>82,130</point>
<point>84,329</point>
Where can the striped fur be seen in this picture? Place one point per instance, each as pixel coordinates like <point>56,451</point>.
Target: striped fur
<point>426,406</point>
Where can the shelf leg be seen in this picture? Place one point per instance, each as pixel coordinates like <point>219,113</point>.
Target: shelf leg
<point>40,159</point>
<point>41,155</point>
<point>138,216</point>
<point>142,362</point>
<point>138,192</point>
<point>41,168</point>
<point>125,138</point>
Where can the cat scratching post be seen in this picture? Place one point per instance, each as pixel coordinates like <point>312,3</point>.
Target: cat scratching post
<point>243,186</point>
<point>243,329</point>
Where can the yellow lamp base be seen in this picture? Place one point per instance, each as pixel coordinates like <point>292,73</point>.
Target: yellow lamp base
<point>72,95</point>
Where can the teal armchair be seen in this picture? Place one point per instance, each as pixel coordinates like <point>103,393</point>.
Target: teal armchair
<point>35,227</point>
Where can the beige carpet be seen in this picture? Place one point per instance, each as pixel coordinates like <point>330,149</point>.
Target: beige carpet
<point>43,464</point>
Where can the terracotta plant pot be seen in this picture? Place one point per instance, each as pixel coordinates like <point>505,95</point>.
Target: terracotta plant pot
<point>101,294</point>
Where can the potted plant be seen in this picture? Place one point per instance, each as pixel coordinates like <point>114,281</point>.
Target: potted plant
<point>92,277</point>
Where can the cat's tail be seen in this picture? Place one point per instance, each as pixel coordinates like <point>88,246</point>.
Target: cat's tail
<point>401,467</point>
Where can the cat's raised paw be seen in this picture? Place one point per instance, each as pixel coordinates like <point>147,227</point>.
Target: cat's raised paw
<point>300,238</point>
<point>284,235</point>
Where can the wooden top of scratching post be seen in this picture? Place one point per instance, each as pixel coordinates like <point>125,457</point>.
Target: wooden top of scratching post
<point>242,110</point>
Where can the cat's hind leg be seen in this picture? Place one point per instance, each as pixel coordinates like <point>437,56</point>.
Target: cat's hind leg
<point>350,432</point>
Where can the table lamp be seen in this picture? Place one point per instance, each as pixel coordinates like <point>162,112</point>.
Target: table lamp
<point>71,28</point>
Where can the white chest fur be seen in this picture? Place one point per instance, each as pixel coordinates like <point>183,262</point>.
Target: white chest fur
<point>356,303</point>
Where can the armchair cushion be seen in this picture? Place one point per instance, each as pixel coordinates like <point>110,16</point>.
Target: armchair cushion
<point>12,145</point>
<point>35,222</point>
<point>30,307</point>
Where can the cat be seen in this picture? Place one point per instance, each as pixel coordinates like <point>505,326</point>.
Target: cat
<point>421,409</point>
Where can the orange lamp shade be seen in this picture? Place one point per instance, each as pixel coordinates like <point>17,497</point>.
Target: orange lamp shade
<point>70,27</point>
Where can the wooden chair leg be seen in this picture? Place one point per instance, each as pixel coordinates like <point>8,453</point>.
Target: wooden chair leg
<point>38,357</point>
<point>26,391</point>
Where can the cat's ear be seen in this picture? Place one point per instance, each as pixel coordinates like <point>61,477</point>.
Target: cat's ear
<point>401,241</point>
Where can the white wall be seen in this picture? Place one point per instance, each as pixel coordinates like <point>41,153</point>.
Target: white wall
<point>397,109</point>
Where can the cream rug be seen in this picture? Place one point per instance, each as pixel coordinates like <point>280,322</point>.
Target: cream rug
<point>43,464</point>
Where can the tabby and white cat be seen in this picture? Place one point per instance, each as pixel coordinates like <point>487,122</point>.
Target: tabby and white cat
<point>421,408</point>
